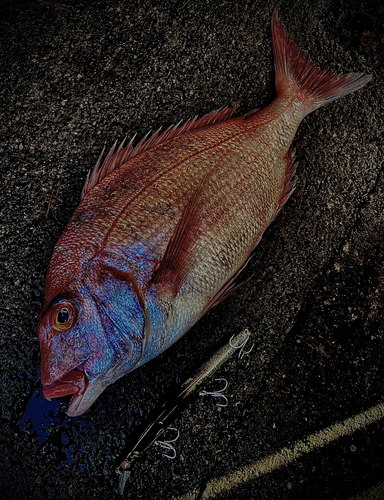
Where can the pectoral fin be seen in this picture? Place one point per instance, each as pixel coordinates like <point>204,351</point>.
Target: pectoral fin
<point>177,261</point>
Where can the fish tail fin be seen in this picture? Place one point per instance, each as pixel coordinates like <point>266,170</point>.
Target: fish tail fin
<point>294,69</point>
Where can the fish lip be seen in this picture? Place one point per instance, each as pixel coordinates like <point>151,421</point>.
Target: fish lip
<point>73,382</point>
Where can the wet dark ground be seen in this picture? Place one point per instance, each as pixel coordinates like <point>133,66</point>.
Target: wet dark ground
<point>77,76</point>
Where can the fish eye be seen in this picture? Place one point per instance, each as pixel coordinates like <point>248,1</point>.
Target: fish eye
<point>63,316</point>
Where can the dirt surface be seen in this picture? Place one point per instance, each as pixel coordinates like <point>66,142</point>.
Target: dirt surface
<point>78,76</point>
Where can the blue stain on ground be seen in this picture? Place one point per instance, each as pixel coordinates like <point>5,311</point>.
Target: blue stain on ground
<point>40,414</point>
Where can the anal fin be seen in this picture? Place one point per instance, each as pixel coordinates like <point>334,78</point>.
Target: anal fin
<point>290,178</point>
<point>227,289</point>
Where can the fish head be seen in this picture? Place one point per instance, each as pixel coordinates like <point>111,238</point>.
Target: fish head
<point>65,351</point>
<point>92,330</point>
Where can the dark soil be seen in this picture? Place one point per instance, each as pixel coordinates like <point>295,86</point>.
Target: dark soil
<point>76,76</point>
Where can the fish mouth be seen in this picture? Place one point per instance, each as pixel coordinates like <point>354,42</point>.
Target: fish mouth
<point>75,382</point>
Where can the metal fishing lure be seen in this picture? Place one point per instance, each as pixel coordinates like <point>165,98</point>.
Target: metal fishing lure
<point>172,408</point>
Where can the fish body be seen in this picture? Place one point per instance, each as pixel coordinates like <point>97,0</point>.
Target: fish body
<point>163,230</point>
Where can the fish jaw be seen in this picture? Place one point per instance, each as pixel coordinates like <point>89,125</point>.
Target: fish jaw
<point>75,382</point>
<point>81,401</point>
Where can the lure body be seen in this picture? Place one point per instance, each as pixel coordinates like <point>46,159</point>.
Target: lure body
<point>163,230</point>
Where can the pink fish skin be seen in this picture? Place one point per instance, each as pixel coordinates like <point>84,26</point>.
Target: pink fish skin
<point>164,228</point>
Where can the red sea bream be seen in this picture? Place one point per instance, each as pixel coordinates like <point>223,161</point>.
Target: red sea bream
<point>163,229</point>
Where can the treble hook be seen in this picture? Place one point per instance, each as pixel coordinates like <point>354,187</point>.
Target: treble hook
<point>242,345</point>
<point>167,444</point>
<point>217,394</point>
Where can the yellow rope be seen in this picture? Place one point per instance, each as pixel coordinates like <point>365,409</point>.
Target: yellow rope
<point>288,455</point>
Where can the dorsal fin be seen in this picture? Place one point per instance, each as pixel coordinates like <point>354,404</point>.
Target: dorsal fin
<point>116,159</point>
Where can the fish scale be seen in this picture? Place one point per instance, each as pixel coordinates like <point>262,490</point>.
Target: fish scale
<point>164,228</point>
<point>249,206</point>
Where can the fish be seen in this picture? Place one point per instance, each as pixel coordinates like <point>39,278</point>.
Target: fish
<point>164,228</point>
